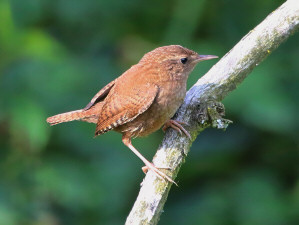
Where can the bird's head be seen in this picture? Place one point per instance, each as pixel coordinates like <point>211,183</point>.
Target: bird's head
<point>175,59</point>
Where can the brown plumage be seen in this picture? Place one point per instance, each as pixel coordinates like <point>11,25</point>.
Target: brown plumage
<point>142,99</point>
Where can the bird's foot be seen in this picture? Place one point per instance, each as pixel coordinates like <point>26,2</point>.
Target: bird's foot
<point>145,169</point>
<point>150,166</point>
<point>177,125</point>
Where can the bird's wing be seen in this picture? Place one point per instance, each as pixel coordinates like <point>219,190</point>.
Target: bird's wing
<point>100,95</point>
<point>123,109</point>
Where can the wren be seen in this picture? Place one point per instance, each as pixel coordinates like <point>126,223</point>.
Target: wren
<point>142,99</point>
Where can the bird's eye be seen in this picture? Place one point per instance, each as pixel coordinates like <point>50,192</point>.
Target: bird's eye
<point>184,60</point>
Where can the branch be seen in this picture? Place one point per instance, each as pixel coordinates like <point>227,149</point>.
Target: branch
<point>200,110</point>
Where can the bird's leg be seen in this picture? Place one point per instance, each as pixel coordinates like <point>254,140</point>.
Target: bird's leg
<point>177,125</point>
<point>148,165</point>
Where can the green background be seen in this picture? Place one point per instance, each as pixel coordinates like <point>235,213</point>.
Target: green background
<point>56,54</point>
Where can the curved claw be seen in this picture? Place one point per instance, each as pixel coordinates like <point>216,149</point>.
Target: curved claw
<point>177,125</point>
<point>158,173</point>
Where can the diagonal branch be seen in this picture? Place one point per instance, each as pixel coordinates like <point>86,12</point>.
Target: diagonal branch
<point>199,108</point>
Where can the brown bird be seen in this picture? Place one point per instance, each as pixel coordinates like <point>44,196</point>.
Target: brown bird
<point>142,99</point>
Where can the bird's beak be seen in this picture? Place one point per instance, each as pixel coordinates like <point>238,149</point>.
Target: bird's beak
<point>200,58</point>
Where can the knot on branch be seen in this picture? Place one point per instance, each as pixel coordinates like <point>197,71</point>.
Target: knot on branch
<point>210,113</point>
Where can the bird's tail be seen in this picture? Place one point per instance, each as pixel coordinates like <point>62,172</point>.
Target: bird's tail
<point>69,116</point>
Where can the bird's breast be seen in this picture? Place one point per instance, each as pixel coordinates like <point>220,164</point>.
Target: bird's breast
<point>171,96</point>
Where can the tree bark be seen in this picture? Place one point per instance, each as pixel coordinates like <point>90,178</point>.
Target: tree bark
<point>201,110</point>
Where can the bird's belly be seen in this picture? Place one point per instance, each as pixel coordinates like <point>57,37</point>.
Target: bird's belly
<point>163,108</point>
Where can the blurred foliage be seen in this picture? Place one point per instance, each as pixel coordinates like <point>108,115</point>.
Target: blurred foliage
<point>56,54</point>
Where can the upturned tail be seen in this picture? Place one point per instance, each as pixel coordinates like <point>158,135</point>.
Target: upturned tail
<point>71,116</point>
